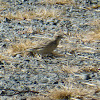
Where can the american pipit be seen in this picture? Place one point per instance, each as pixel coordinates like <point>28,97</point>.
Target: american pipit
<point>47,47</point>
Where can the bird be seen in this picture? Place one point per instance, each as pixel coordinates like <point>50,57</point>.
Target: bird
<point>48,47</point>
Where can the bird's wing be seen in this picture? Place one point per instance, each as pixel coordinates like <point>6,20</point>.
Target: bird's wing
<point>43,44</point>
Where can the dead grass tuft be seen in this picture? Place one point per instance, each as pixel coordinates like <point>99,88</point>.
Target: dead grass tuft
<point>3,5</point>
<point>5,58</point>
<point>73,92</point>
<point>96,6</point>
<point>89,69</point>
<point>61,94</point>
<point>20,47</point>
<point>40,13</point>
<point>61,2</point>
<point>95,22</point>
<point>70,93</point>
<point>68,69</point>
<point>2,57</point>
<point>93,7</point>
<point>92,36</point>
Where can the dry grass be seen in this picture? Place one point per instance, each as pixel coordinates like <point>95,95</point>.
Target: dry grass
<point>61,2</point>
<point>2,57</point>
<point>89,69</point>
<point>92,36</point>
<point>95,22</point>
<point>16,48</point>
<point>61,94</point>
<point>3,5</point>
<point>39,98</point>
<point>73,92</point>
<point>70,93</point>
<point>87,49</point>
<point>96,6</point>
<point>5,57</point>
<point>89,37</point>
<point>20,47</point>
<point>68,69</point>
<point>93,7</point>
<point>39,13</point>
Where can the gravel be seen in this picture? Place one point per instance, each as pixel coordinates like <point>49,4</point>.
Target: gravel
<point>34,73</point>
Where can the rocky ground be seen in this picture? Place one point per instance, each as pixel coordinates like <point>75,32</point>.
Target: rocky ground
<point>74,74</point>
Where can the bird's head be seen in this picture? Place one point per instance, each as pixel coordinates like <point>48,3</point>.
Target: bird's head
<point>59,37</point>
